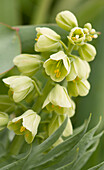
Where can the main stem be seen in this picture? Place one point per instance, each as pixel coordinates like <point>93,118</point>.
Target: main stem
<point>16,145</point>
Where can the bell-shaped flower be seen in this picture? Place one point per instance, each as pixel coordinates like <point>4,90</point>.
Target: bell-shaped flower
<point>57,66</point>
<point>20,86</point>
<point>79,68</point>
<point>59,101</point>
<point>76,36</point>
<point>87,52</point>
<point>66,20</point>
<point>3,120</point>
<point>26,124</point>
<point>56,122</point>
<point>78,87</point>
<point>47,40</point>
<point>27,64</point>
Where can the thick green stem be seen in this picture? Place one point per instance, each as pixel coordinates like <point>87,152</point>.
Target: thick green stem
<point>38,105</point>
<point>16,145</point>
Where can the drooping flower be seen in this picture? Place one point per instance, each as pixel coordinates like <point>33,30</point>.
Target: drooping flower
<point>79,68</point>
<point>47,40</point>
<point>20,86</point>
<point>56,122</point>
<point>27,64</point>
<point>59,101</point>
<point>26,124</point>
<point>57,66</point>
<point>87,52</point>
<point>66,20</point>
<point>78,87</point>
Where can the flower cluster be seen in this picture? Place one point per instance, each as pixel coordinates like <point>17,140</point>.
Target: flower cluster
<point>69,73</point>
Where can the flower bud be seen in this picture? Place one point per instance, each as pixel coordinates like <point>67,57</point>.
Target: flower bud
<point>47,40</point>
<point>86,31</point>
<point>79,68</point>
<point>87,52</point>
<point>66,20</point>
<point>3,120</point>
<point>88,26</point>
<point>59,101</point>
<point>76,36</point>
<point>20,86</point>
<point>26,124</point>
<point>78,87</point>
<point>27,64</point>
<point>57,66</point>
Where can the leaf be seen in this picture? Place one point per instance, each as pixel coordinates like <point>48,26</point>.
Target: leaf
<point>63,156</point>
<point>98,167</point>
<point>10,12</point>
<point>38,150</point>
<point>6,105</point>
<point>9,47</point>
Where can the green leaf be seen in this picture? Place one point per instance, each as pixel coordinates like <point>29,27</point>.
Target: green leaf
<point>10,12</point>
<point>9,47</point>
<point>98,167</point>
<point>6,105</point>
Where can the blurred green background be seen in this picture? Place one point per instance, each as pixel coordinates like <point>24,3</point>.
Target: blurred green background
<point>26,12</point>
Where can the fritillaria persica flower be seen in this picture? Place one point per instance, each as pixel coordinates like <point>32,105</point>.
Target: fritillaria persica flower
<point>79,68</point>
<point>20,86</point>
<point>57,66</point>
<point>59,101</point>
<point>87,52</point>
<point>26,124</point>
<point>66,20</point>
<point>47,40</point>
<point>78,87</point>
<point>27,64</point>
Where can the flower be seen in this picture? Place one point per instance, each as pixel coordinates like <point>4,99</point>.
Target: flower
<point>78,87</point>
<point>26,124</point>
<point>57,66</point>
<point>79,68</point>
<point>59,101</point>
<point>87,52</point>
<point>3,120</point>
<point>47,40</point>
<point>20,86</point>
<point>56,122</point>
<point>66,20</point>
<point>27,64</point>
<point>76,36</point>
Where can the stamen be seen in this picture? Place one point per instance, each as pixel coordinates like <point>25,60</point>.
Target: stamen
<point>52,106</point>
<point>59,107</point>
<point>58,74</point>
<point>36,39</point>
<point>22,129</point>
